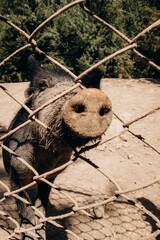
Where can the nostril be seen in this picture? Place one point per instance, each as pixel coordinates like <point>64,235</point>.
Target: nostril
<point>79,108</point>
<point>103,111</point>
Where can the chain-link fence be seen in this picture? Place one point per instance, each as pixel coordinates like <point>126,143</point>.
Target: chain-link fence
<point>79,212</point>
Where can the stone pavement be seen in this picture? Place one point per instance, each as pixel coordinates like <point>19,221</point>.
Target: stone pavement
<point>131,159</point>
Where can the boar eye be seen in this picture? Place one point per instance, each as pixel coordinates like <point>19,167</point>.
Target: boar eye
<point>42,85</point>
<point>103,111</point>
<point>79,108</point>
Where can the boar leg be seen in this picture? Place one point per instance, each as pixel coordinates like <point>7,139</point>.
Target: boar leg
<point>43,193</point>
<point>21,175</point>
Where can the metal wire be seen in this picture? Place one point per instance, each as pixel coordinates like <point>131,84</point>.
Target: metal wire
<point>132,45</point>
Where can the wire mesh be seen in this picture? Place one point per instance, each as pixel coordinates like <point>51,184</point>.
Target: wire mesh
<point>11,222</point>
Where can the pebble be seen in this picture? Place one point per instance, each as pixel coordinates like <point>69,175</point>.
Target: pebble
<point>97,235</point>
<point>84,227</point>
<point>95,225</point>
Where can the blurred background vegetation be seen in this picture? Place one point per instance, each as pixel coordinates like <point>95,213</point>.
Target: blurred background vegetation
<point>77,40</point>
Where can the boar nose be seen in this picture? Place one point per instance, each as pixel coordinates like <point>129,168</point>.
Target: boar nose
<point>88,113</point>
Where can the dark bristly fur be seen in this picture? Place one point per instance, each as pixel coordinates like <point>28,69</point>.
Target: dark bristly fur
<point>37,145</point>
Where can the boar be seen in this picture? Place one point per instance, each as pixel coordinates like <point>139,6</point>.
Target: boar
<point>80,116</point>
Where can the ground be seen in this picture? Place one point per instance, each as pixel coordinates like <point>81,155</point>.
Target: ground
<point>130,159</point>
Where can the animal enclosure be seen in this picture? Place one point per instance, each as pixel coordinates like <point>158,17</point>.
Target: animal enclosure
<point>83,208</point>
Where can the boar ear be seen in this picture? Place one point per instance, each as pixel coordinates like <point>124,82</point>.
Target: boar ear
<point>35,76</point>
<point>34,67</point>
<point>92,79</point>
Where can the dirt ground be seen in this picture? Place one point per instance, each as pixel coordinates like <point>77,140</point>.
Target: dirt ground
<point>131,159</point>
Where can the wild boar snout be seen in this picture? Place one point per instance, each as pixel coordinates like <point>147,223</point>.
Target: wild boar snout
<point>88,113</point>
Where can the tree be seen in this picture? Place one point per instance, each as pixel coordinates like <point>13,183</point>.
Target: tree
<point>76,40</point>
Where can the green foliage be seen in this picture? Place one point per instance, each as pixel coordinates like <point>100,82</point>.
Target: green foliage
<point>76,40</point>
